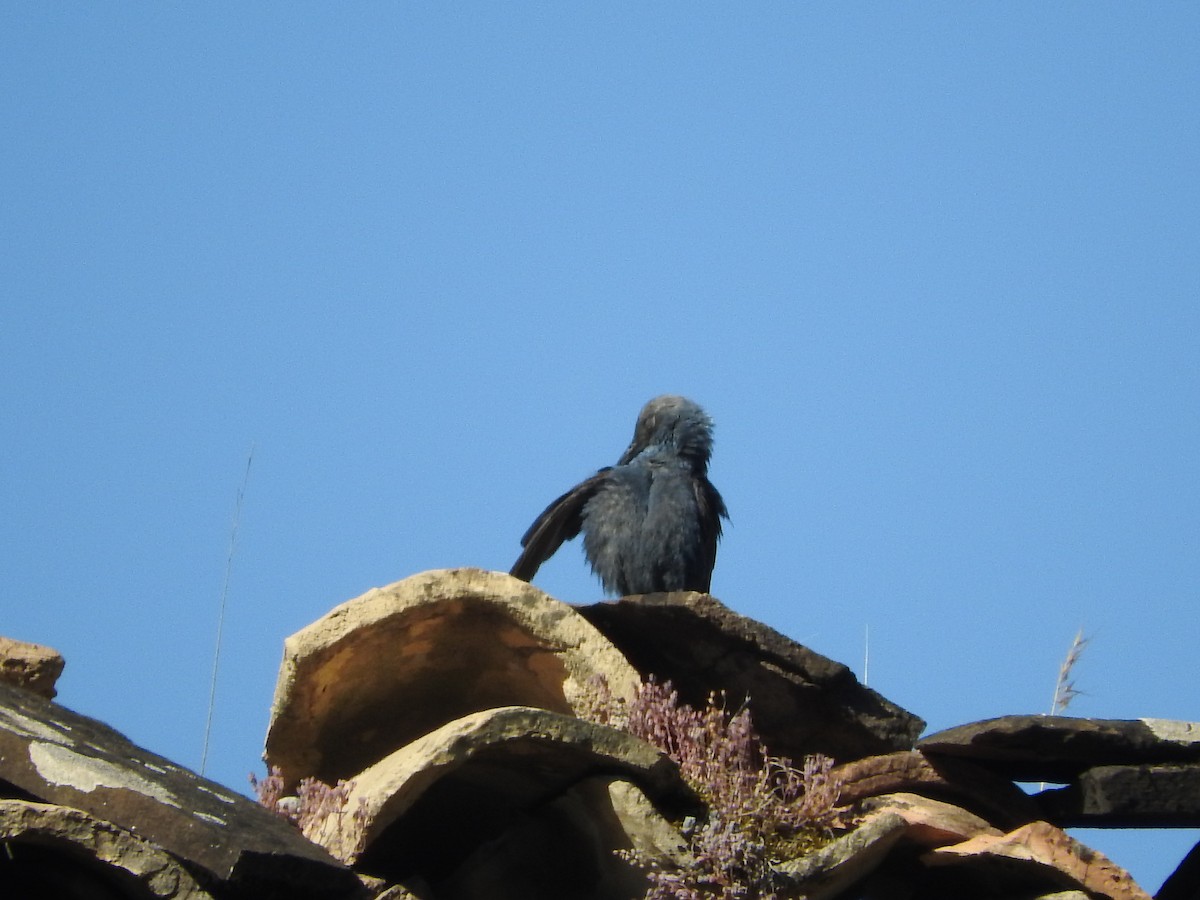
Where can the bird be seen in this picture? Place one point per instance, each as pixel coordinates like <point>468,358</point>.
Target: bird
<point>650,523</point>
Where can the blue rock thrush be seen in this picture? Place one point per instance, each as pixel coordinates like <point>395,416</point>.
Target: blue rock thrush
<point>651,522</point>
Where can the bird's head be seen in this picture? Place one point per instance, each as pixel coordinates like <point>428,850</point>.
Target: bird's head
<point>676,423</point>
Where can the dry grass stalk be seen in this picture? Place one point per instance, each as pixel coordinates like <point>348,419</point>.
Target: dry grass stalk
<point>1065,690</point>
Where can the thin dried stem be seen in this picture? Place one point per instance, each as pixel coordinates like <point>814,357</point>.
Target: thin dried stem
<point>212,688</point>
<point>1064,689</point>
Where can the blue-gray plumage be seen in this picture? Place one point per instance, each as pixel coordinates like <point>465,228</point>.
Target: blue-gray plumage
<point>651,522</point>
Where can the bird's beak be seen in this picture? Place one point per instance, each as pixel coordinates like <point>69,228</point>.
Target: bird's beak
<point>631,451</point>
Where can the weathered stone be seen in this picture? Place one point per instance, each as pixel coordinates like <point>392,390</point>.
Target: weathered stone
<point>30,666</point>
<point>1039,851</point>
<point>931,823</point>
<point>379,671</point>
<point>1151,796</point>
<point>904,877</point>
<point>59,851</point>
<point>802,702</point>
<point>1056,748</point>
<point>513,776</point>
<point>1184,882</point>
<point>563,848</point>
<point>954,780</point>
<point>398,892</point>
<point>847,860</point>
<point>649,833</point>
<point>374,886</point>
<point>52,754</point>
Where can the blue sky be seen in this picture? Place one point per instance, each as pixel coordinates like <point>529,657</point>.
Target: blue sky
<point>933,270</point>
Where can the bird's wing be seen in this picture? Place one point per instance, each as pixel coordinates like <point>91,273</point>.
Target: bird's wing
<point>711,511</point>
<point>561,521</point>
